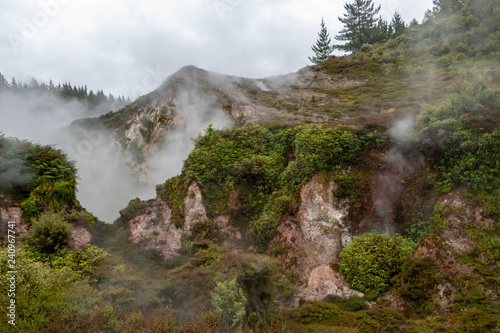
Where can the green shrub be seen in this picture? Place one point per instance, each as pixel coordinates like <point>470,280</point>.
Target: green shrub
<point>40,290</point>
<point>82,218</point>
<point>259,277</point>
<point>82,261</point>
<point>415,231</point>
<point>465,157</point>
<point>262,230</point>
<point>49,233</point>
<point>480,320</point>
<point>469,96</point>
<point>417,280</point>
<point>354,303</point>
<point>318,148</point>
<point>313,311</point>
<point>346,186</point>
<point>229,300</point>
<point>31,208</point>
<point>207,256</point>
<point>372,259</point>
<point>174,191</point>
<point>133,208</point>
<point>205,230</point>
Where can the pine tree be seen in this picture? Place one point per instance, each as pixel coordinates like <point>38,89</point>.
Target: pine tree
<point>360,25</point>
<point>398,25</point>
<point>413,23</point>
<point>4,84</point>
<point>323,47</point>
<point>447,7</point>
<point>382,32</point>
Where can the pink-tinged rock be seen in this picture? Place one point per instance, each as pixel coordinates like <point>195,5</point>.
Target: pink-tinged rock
<point>323,281</point>
<point>313,239</point>
<point>154,229</point>
<point>12,214</point>
<point>194,210</point>
<point>80,236</point>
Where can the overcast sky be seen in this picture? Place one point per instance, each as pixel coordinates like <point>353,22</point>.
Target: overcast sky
<point>128,47</point>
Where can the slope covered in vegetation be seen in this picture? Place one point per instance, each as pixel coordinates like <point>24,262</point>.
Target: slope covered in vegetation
<point>361,194</point>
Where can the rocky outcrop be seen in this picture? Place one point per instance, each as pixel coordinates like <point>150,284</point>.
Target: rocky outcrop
<point>314,238</point>
<point>80,236</point>
<point>451,245</point>
<point>154,229</point>
<point>194,210</point>
<point>12,214</point>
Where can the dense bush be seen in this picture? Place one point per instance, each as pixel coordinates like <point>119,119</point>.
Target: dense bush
<point>312,311</point>
<point>353,303</point>
<point>259,278</point>
<point>40,290</point>
<point>174,191</point>
<point>229,300</point>
<point>82,261</point>
<point>317,149</point>
<point>49,233</point>
<point>465,157</point>
<point>372,259</point>
<point>417,280</point>
<point>133,208</point>
<point>468,96</point>
<point>41,176</point>
<point>206,255</point>
<point>415,231</point>
<point>206,230</point>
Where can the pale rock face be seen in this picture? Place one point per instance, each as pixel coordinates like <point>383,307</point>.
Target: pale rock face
<point>323,281</point>
<point>320,216</point>
<point>14,214</point>
<point>314,239</point>
<point>80,237</point>
<point>231,234</point>
<point>194,210</point>
<point>154,228</point>
<point>459,213</point>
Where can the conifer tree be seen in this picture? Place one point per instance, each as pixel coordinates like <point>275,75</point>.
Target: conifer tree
<point>398,25</point>
<point>382,32</point>
<point>3,82</point>
<point>360,25</point>
<point>323,48</point>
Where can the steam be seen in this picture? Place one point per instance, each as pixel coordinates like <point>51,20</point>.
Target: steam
<point>15,173</point>
<point>106,185</point>
<point>108,179</point>
<point>42,117</point>
<point>262,86</point>
<point>388,188</point>
<point>198,111</point>
<point>402,128</point>
<point>36,115</point>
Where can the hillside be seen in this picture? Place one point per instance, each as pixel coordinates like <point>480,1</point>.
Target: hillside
<point>361,194</point>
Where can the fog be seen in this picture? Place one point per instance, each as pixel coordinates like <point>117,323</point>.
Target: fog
<point>107,178</point>
<point>197,111</point>
<point>42,117</point>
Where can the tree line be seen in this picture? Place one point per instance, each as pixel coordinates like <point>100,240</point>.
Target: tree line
<point>361,26</point>
<point>94,100</point>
